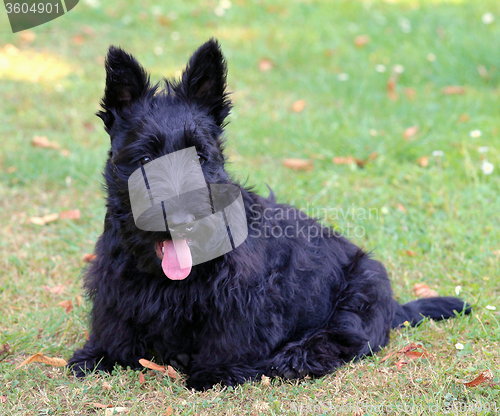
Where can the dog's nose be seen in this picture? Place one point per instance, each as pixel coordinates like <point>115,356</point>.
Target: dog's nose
<point>181,220</point>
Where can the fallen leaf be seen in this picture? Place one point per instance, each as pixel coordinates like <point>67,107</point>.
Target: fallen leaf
<point>79,300</point>
<point>298,164</point>
<point>409,352</point>
<point>168,371</point>
<point>45,219</point>
<point>484,377</point>
<point>410,132</point>
<point>265,381</point>
<point>27,36</point>
<point>88,257</point>
<point>402,208</point>
<point>391,88</point>
<point>409,92</point>
<point>411,253</point>
<point>43,142</point>
<point>463,118</point>
<point>298,106</point>
<point>78,39</point>
<point>372,156</point>
<point>424,291</point>
<point>57,290</point>
<point>169,411</point>
<point>70,215</point>
<point>11,169</point>
<point>113,410</point>
<point>453,90</point>
<point>152,366</point>
<point>361,40</point>
<point>3,399</point>
<point>265,65</point>
<point>86,335</point>
<point>67,305</point>
<point>423,161</point>
<point>344,160</point>
<point>171,372</point>
<point>142,380</point>
<point>106,385</point>
<point>40,358</point>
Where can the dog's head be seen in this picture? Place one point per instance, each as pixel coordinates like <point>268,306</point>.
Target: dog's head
<point>166,160</point>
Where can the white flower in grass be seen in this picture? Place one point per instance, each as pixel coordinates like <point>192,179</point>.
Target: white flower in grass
<point>483,149</point>
<point>175,36</point>
<point>488,18</point>
<point>431,57</point>
<point>343,76</point>
<point>438,153</point>
<point>158,50</point>
<point>458,288</point>
<point>475,134</point>
<point>219,11</point>
<point>225,4</point>
<point>459,346</point>
<point>380,68</point>
<point>491,307</point>
<point>487,167</point>
<point>398,69</point>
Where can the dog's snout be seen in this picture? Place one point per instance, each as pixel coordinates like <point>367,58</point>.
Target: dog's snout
<point>181,219</point>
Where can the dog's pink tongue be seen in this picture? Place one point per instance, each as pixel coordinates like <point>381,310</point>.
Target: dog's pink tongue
<point>177,260</point>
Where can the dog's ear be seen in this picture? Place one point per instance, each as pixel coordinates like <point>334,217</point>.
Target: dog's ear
<point>126,81</point>
<point>204,81</point>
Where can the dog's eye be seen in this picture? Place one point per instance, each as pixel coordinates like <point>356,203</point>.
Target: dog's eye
<point>201,158</point>
<point>145,160</point>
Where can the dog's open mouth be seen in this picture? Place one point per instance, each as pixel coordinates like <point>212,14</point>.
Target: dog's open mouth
<point>176,259</point>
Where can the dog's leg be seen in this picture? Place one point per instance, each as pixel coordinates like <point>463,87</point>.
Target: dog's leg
<point>93,356</point>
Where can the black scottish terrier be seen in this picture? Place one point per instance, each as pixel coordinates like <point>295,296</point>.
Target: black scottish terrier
<point>286,305</point>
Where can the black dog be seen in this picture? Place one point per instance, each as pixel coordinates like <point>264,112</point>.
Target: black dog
<point>302,302</point>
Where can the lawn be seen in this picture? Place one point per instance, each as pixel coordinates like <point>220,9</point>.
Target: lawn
<point>330,82</point>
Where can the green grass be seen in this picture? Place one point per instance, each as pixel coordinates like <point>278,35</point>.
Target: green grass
<point>450,222</point>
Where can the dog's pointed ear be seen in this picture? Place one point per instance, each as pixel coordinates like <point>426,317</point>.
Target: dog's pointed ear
<point>126,81</point>
<point>204,81</point>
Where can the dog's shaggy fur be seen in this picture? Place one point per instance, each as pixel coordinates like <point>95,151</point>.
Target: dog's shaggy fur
<point>288,306</point>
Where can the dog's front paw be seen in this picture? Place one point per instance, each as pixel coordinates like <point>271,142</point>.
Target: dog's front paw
<point>206,379</point>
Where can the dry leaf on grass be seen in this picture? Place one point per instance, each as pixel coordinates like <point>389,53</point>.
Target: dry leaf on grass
<point>484,377</point>
<point>265,381</point>
<point>422,290</point>
<point>40,358</point>
<point>168,371</point>
<point>67,305</point>
<point>3,399</point>
<point>464,118</point>
<point>57,290</point>
<point>298,164</point>
<point>43,142</point>
<point>88,257</point>
<point>106,385</point>
<point>391,88</point>
<point>410,132</point>
<point>79,300</point>
<point>453,90</point>
<point>70,215</point>
<point>344,160</point>
<point>141,378</point>
<point>423,161</point>
<point>407,353</point>
<point>45,219</point>
<point>402,208</point>
<point>265,65</point>
<point>298,106</point>
<point>113,410</point>
<point>27,36</point>
<point>361,40</point>
<point>411,253</point>
<point>169,411</point>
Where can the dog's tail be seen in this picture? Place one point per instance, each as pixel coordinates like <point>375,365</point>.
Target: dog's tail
<point>435,308</point>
